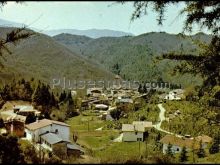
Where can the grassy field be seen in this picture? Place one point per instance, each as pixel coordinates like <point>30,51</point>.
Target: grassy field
<point>100,145</point>
<point>209,158</point>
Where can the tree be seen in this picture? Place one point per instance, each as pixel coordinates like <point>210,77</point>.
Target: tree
<point>144,88</point>
<point>142,118</point>
<point>205,14</point>
<point>116,69</point>
<point>70,106</point>
<point>30,118</point>
<point>30,153</point>
<point>115,114</point>
<point>1,123</point>
<point>53,101</point>
<point>183,155</point>
<point>201,151</point>
<point>140,90</point>
<point>10,152</point>
<point>28,91</point>
<point>62,96</point>
<point>169,151</point>
<point>196,13</point>
<point>215,145</point>
<point>36,95</point>
<point>12,37</point>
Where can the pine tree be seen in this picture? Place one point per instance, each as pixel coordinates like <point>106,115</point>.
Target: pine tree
<point>201,152</point>
<point>62,96</point>
<point>144,88</point>
<point>10,152</point>
<point>215,145</point>
<point>70,106</point>
<point>169,151</point>
<point>53,102</point>
<point>36,97</point>
<point>28,91</point>
<point>140,89</point>
<point>183,155</point>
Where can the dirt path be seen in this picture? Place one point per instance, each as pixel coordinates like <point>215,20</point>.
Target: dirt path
<point>162,118</point>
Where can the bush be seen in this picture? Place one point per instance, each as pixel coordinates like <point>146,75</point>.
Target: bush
<point>116,114</point>
<point>142,118</point>
<point>1,123</point>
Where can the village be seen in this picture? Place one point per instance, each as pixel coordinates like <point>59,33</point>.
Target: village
<point>104,122</point>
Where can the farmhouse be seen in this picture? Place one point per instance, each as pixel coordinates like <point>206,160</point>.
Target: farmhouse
<point>35,130</point>
<point>15,125</point>
<point>125,104</point>
<point>178,143</point>
<point>176,94</point>
<point>25,110</point>
<point>137,131</point>
<point>95,92</point>
<point>204,139</point>
<point>13,122</point>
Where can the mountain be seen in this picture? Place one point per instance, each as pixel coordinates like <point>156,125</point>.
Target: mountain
<point>43,58</point>
<point>134,57</point>
<point>6,23</point>
<point>93,33</point>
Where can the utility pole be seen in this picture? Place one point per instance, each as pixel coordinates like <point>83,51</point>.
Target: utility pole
<point>40,149</point>
<point>88,125</point>
<point>139,147</point>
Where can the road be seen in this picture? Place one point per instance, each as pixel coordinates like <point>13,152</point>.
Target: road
<point>162,118</point>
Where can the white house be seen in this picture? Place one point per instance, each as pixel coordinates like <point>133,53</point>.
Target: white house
<point>48,132</point>
<point>178,143</point>
<point>135,131</point>
<point>95,92</point>
<point>176,94</point>
<point>73,93</point>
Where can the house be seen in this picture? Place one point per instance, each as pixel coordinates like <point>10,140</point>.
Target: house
<point>177,94</point>
<point>51,135</point>
<point>137,131</point>
<point>35,130</point>
<point>74,149</point>
<point>124,104</point>
<point>25,110</point>
<point>178,143</point>
<point>95,92</point>
<point>73,93</point>
<point>204,139</point>
<point>14,123</point>
<point>101,107</point>
<point>86,104</point>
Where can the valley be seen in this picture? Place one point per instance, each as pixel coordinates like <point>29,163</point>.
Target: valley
<point>93,83</point>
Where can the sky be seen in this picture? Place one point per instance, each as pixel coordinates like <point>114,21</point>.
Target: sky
<point>90,14</point>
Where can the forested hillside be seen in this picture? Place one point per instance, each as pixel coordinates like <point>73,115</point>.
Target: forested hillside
<point>43,58</point>
<point>134,57</point>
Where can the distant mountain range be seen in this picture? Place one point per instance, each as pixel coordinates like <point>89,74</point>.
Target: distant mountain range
<point>80,56</point>
<point>93,33</point>
<point>134,57</point>
<point>43,58</point>
<point>6,23</point>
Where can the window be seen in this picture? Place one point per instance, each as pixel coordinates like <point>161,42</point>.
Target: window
<point>177,149</point>
<point>139,139</point>
<point>56,131</point>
